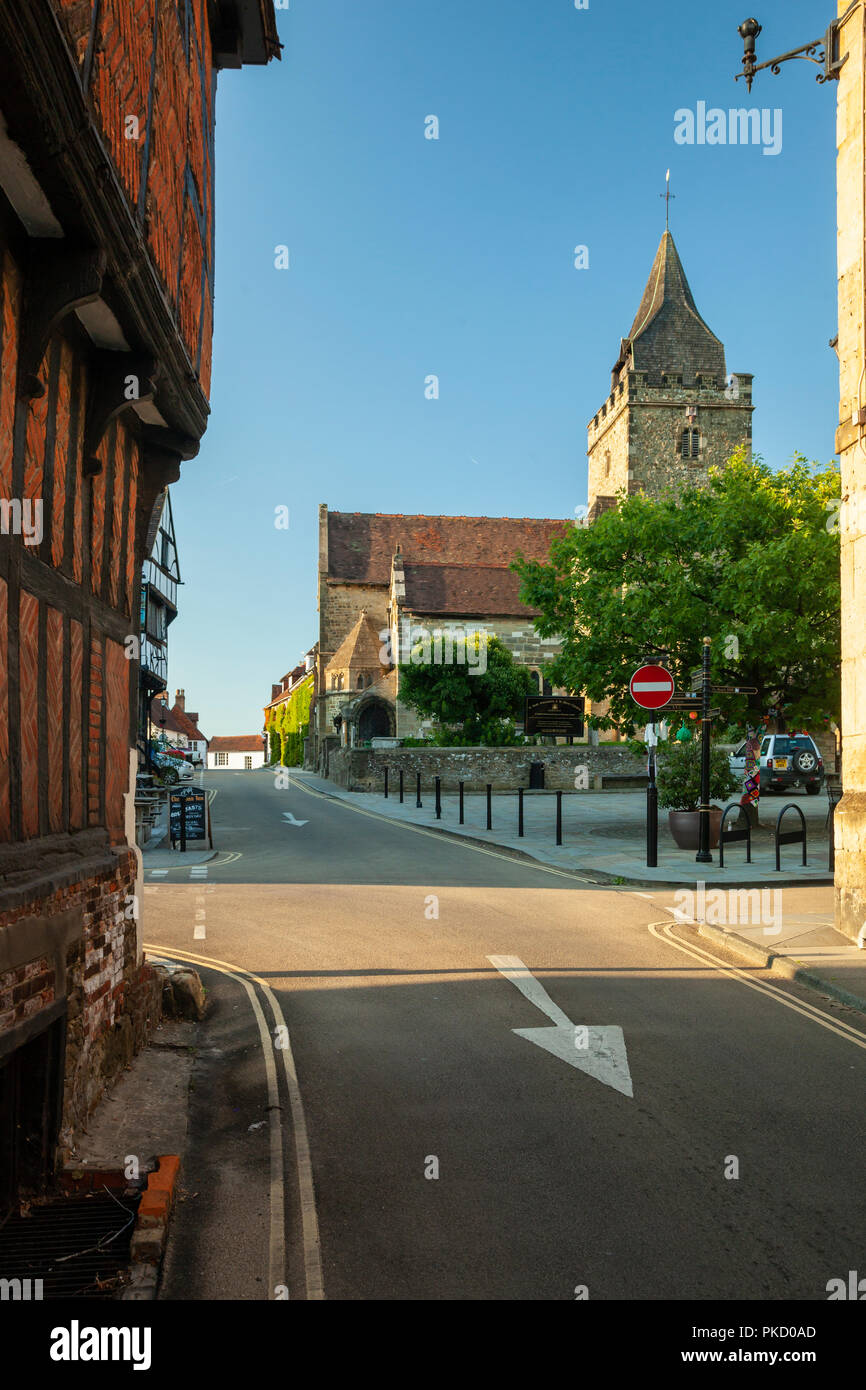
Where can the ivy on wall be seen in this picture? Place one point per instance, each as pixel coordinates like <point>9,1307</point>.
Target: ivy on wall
<point>288,724</point>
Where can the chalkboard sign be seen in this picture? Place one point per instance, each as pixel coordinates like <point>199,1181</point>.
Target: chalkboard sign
<point>195,801</point>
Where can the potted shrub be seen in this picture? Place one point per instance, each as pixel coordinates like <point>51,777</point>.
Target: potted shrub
<point>679,784</point>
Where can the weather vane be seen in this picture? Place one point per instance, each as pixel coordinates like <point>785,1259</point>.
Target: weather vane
<point>667,195</point>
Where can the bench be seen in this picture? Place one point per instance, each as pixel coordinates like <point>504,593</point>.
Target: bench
<point>625,781</point>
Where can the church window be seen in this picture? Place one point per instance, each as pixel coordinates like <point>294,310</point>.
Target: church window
<point>607,464</point>
<point>690,443</point>
<point>361,682</point>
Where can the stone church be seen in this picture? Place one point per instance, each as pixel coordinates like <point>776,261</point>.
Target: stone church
<point>672,413</point>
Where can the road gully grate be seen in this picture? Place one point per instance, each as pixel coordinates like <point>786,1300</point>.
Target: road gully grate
<point>79,1246</point>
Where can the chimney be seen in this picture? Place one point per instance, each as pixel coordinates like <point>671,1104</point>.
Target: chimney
<point>180,698</point>
<point>275,691</point>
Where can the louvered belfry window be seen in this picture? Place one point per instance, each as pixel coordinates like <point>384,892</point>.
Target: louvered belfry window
<point>690,443</point>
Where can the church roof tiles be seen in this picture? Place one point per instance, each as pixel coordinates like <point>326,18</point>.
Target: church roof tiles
<point>361,545</point>
<point>668,334</point>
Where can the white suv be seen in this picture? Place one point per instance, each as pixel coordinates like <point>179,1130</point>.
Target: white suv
<point>787,760</point>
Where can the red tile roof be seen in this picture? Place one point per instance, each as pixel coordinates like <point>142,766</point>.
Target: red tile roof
<point>468,590</point>
<point>361,544</point>
<point>237,743</point>
<point>188,725</point>
<point>160,712</point>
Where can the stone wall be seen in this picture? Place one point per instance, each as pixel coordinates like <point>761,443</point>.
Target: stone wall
<point>851,447</point>
<point>640,426</point>
<point>506,769</point>
<point>72,952</point>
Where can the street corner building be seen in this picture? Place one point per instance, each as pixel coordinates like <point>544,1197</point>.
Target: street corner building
<point>237,752</point>
<point>106,315</point>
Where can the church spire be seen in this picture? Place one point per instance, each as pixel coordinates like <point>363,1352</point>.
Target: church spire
<point>668,334</point>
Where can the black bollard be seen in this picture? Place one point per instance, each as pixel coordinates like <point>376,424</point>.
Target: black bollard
<point>401,785</point>
<point>418,790</point>
<point>438,799</point>
<point>489,807</point>
<point>386,784</point>
<point>559,818</point>
<point>520,812</point>
<point>461,803</point>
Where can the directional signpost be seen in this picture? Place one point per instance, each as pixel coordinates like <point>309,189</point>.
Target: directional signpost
<point>652,687</point>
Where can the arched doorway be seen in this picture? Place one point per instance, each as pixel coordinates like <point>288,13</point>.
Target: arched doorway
<point>374,721</point>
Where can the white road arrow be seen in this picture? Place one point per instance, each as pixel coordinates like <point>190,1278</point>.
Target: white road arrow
<point>600,1052</point>
<point>291,820</point>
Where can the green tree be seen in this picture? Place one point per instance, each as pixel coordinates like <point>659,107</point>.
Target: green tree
<point>750,560</point>
<point>452,695</point>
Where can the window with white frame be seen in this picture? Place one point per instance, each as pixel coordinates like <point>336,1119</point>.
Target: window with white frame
<point>222,759</point>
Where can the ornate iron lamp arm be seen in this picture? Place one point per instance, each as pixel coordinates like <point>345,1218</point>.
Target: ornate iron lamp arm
<point>827,58</point>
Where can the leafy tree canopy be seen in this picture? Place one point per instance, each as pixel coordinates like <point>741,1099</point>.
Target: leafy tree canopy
<point>460,693</point>
<point>750,560</point>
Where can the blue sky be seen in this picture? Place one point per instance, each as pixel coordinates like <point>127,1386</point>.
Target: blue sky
<point>455,256</point>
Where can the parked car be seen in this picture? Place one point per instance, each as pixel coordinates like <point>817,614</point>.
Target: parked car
<point>787,760</point>
<point>172,769</point>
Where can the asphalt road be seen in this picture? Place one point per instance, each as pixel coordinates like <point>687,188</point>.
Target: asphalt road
<point>376,941</point>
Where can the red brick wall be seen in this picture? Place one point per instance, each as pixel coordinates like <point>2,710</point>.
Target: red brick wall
<point>76,725</point>
<point>10,297</point>
<point>28,646</point>
<point>94,736</point>
<point>4,711</point>
<point>102,979</point>
<point>117,668</point>
<point>25,990</point>
<point>55,720</point>
<point>181,136</point>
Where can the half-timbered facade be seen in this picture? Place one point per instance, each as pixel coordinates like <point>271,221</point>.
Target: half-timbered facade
<point>106,312</point>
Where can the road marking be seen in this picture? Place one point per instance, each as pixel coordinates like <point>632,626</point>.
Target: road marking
<point>816,1015</point>
<point>599,1051</point>
<point>290,820</point>
<point>304,1166</point>
<point>157,873</point>
<point>534,864</point>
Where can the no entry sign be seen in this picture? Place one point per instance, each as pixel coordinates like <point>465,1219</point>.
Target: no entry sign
<point>651,687</point>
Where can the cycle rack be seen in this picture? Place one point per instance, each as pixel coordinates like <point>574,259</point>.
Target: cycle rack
<point>729,837</point>
<point>790,837</point>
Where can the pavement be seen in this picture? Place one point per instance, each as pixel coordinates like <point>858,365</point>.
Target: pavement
<point>804,945</point>
<point>379,1108</point>
<point>604,833</point>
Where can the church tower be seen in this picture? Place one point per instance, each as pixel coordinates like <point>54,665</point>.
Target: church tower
<point>672,412</point>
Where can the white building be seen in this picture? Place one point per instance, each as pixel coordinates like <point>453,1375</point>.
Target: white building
<point>239,753</point>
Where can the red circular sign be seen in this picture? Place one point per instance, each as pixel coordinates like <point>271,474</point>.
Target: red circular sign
<point>651,686</point>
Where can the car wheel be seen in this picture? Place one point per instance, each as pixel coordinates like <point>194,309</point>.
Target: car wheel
<point>169,776</point>
<point>805,761</point>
